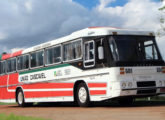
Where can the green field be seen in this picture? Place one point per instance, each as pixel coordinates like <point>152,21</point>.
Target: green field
<point>15,117</point>
<point>155,98</point>
<point>7,103</point>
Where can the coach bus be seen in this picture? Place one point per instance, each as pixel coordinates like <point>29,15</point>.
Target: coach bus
<point>93,64</point>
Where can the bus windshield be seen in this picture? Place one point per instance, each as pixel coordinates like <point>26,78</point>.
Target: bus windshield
<point>133,48</point>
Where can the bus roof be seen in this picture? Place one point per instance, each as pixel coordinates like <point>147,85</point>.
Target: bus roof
<point>87,32</point>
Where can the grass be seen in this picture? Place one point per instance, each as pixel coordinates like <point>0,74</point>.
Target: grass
<point>15,117</point>
<point>155,98</point>
<point>7,103</point>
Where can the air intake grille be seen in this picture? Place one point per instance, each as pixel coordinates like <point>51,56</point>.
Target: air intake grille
<point>146,84</point>
<point>150,91</point>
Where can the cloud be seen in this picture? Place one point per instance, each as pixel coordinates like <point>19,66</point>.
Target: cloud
<point>134,14</point>
<point>31,22</point>
<point>28,5</point>
<point>3,36</point>
<point>16,49</point>
<point>104,3</point>
<point>25,23</point>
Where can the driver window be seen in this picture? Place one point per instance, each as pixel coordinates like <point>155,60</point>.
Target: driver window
<point>113,48</point>
<point>150,51</point>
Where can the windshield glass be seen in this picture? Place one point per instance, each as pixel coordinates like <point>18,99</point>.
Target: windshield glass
<point>133,48</point>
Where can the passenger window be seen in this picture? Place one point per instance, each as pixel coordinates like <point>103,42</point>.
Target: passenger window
<point>8,65</point>
<point>37,59</point>
<point>26,62</point>
<point>57,54</point>
<point>72,51</point>
<point>40,58</point>
<point>11,65</point>
<point>68,54</point>
<point>2,67</point>
<point>33,60</point>
<point>20,63</point>
<point>49,56</point>
<point>23,62</point>
<point>53,55</point>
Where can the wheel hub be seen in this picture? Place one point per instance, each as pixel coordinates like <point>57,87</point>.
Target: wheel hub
<point>82,95</point>
<point>20,98</point>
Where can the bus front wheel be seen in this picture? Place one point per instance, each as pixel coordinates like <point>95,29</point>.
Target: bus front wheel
<point>21,100</point>
<point>82,95</point>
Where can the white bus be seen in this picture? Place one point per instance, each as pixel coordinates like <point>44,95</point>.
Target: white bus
<point>93,64</point>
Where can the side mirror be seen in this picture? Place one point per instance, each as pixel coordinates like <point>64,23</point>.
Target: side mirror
<point>100,52</point>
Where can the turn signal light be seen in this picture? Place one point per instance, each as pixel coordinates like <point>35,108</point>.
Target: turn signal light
<point>122,72</point>
<point>114,33</point>
<point>163,69</point>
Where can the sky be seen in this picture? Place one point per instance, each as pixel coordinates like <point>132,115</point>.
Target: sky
<point>93,3</point>
<point>25,23</point>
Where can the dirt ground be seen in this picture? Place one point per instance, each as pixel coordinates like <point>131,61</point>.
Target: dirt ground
<point>101,111</point>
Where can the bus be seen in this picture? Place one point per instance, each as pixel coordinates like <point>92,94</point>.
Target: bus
<point>93,64</point>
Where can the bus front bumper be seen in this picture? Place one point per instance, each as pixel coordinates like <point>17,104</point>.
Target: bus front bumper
<point>142,91</point>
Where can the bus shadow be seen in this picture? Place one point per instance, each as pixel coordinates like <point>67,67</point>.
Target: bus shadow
<point>98,104</point>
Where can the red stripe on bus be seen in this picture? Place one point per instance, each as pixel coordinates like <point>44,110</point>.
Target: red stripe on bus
<point>97,92</point>
<point>7,56</point>
<point>3,80</point>
<point>17,53</point>
<point>13,79</point>
<point>48,85</point>
<point>4,94</point>
<point>97,85</point>
<point>48,94</point>
<point>12,87</point>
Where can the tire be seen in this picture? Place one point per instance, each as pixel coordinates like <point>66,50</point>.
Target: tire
<point>82,95</point>
<point>21,99</point>
<point>126,101</point>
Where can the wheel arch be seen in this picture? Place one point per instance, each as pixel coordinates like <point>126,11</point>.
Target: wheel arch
<point>76,86</point>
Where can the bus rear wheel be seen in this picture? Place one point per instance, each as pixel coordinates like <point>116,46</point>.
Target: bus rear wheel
<point>21,99</point>
<point>82,95</point>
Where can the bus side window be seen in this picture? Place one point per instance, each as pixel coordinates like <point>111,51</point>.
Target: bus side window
<point>20,63</point>
<point>57,54</point>
<point>26,62</point>
<point>89,54</point>
<point>37,59</point>
<point>8,62</point>
<point>53,55</point>
<point>23,62</point>
<point>2,67</point>
<point>11,65</point>
<point>72,51</point>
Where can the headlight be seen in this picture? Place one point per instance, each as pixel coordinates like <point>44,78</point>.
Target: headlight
<point>160,83</point>
<point>130,84</point>
<point>123,85</point>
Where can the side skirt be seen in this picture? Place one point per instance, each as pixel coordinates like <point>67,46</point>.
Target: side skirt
<point>50,99</point>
